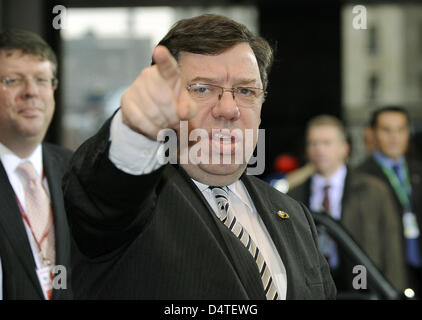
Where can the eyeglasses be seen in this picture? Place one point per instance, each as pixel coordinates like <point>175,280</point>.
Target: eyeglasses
<point>20,82</point>
<point>246,97</point>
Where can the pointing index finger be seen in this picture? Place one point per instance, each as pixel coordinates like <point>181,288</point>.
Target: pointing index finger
<point>166,64</point>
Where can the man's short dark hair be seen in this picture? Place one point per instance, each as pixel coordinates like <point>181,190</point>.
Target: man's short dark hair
<point>29,43</point>
<point>213,34</point>
<point>374,117</point>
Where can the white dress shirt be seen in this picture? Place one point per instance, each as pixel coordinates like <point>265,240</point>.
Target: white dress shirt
<point>10,163</point>
<point>335,193</point>
<point>136,154</point>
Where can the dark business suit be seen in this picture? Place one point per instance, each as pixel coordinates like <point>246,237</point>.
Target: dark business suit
<point>371,166</point>
<point>20,280</point>
<point>155,237</point>
<point>369,215</point>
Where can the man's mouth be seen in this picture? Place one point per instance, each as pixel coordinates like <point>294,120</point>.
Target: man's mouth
<point>225,141</point>
<point>30,112</point>
<point>222,137</point>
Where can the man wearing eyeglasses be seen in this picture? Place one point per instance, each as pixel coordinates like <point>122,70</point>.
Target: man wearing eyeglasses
<point>34,235</point>
<point>194,230</point>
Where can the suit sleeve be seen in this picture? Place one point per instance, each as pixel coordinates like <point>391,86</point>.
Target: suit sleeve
<point>106,207</point>
<point>328,283</point>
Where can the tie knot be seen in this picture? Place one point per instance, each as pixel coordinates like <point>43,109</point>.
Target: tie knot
<point>219,191</point>
<point>327,188</point>
<point>221,197</point>
<point>28,171</point>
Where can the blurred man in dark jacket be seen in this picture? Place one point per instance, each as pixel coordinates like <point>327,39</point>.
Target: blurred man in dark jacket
<point>391,128</point>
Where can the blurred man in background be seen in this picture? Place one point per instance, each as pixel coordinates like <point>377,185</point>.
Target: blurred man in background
<point>391,131</point>
<point>362,204</point>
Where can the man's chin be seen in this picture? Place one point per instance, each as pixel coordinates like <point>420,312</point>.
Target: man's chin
<point>32,127</point>
<point>221,169</point>
<point>215,174</point>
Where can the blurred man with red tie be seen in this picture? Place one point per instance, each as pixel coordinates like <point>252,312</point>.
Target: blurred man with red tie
<point>34,233</point>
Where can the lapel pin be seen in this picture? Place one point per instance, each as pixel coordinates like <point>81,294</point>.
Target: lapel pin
<point>283,215</point>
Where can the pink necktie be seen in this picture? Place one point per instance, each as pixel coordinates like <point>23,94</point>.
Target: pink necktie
<point>38,212</point>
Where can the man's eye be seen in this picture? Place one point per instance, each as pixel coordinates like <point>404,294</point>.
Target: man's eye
<point>12,81</point>
<point>246,91</point>
<point>201,89</point>
<point>42,81</point>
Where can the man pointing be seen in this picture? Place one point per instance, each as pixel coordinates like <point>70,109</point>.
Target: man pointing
<point>148,230</point>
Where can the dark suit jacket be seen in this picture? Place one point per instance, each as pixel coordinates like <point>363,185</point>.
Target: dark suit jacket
<point>371,167</point>
<point>20,280</point>
<point>369,215</point>
<point>154,236</point>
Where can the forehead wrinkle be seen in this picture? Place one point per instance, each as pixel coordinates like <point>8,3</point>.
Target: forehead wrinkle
<point>223,68</point>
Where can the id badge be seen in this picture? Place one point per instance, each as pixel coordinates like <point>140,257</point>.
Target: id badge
<point>410,225</point>
<point>45,277</point>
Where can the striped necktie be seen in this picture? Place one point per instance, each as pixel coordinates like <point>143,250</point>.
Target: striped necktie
<point>226,215</point>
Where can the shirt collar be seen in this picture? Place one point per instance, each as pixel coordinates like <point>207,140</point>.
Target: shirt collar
<point>387,161</point>
<point>202,187</point>
<point>336,180</point>
<point>236,188</point>
<point>11,161</point>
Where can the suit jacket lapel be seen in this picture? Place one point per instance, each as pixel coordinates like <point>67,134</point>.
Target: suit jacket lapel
<point>281,232</point>
<point>12,225</point>
<point>375,169</point>
<point>53,171</point>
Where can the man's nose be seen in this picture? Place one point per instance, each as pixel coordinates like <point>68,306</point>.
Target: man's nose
<point>30,88</point>
<point>226,107</point>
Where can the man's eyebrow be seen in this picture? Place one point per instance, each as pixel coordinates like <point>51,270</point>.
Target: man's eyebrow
<point>205,80</point>
<point>246,82</point>
<point>243,82</point>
